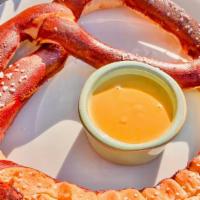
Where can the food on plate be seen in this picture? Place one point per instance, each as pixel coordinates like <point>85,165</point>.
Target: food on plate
<point>30,184</point>
<point>55,23</point>
<point>166,13</point>
<point>134,105</point>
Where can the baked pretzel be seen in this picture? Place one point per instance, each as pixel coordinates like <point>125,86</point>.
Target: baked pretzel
<point>82,45</point>
<point>54,26</point>
<point>21,79</point>
<point>56,23</point>
<point>164,12</point>
<point>31,184</point>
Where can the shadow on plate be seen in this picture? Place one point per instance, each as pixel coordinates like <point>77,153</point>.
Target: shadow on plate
<point>91,171</point>
<point>23,129</point>
<point>193,117</point>
<point>16,3</point>
<point>2,6</point>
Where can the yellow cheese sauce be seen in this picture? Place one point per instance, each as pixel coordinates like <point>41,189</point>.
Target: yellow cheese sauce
<point>132,109</point>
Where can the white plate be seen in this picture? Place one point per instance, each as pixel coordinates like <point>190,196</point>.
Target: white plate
<point>47,134</point>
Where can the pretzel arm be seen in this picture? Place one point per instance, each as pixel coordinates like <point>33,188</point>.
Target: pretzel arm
<point>166,13</point>
<point>22,79</point>
<point>81,45</point>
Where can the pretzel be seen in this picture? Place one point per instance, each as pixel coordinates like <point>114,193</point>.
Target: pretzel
<point>30,184</point>
<point>82,45</point>
<point>54,27</point>
<point>56,23</point>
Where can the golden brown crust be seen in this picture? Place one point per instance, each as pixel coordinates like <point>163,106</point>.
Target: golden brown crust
<point>172,189</point>
<point>195,165</point>
<point>189,181</point>
<point>34,184</point>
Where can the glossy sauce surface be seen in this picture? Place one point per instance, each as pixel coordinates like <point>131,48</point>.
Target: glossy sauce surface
<point>132,109</point>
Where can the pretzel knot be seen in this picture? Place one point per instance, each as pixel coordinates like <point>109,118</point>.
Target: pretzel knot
<point>54,26</point>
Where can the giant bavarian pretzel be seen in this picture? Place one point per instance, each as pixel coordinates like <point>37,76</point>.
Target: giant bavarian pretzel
<point>54,27</point>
